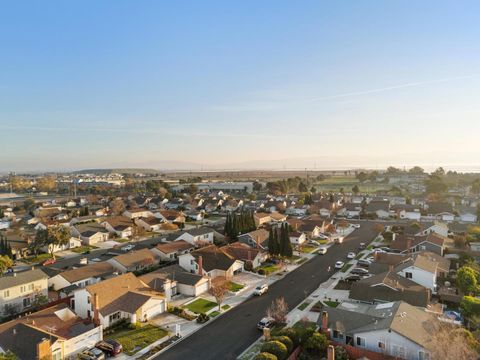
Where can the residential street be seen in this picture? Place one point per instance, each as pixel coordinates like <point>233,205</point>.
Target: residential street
<point>229,335</point>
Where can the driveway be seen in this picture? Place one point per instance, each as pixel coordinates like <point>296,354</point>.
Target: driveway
<point>227,336</point>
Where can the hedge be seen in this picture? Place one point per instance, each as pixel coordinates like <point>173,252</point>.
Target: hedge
<point>276,348</point>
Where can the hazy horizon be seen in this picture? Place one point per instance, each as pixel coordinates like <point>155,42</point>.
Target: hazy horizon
<point>270,85</point>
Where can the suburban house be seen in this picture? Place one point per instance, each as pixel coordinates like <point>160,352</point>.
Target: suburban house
<point>53,333</point>
<point>467,214</point>
<point>211,261</point>
<point>121,297</point>
<point>351,210</point>
<point>186,283</point>
<point>18,291</point>
<point>171,216</point>
<point>255,239</point>
<point>388,287</point>
<point>424,269</point>
<point>197,236</point>
<point>172,250</point>
<point>261,219</point>
<point>410,212</point>
<point>394,329</point>
<point>134,260</point>
<point>297,238</point>
<point>121,226</point>
<point>384,261</point>
<point>137,213</point>
<point>252,258</point>
<point>82,276</point>
<point>430,242</point>
<point>150,223</point>
<point>380,208</point>
<point>161,282</point>
<point>440,211</point>
<point>311,228</point>
<point>90,233</point>
<point>437,227</point>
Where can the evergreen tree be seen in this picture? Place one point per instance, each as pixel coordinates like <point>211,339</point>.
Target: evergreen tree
<point>288,251</point>
<point>271,246</point>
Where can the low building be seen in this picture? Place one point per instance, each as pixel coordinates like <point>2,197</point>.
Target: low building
<point>18,291</point>
<point>150,223</point>
<point>54,333</point>
<point>90,233</point>
<point>252,258</point>
<point>121,226</point>
<point>172,250</point>
<point>197,236</point>
<point>82,276</point>
<point>256,239</point>
<point>134,260</point>
<point>122,297</point>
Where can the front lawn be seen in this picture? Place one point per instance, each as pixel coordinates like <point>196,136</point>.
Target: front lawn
<point>308,249</point>
<point>82,249</point>
<point>332,304</point>
<point>234,287</point>
<point>121,240</point>
<point>214,313</point>
<point>134,340</point>
<point>267,269</point>
<point>225,307</point>
<point>304,305</point>
<point>40,258</point>
<point>200,306</point>
<point>346,267</point>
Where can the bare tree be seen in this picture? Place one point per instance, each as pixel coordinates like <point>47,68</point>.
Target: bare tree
<point>278,310</point>
<point>451,342</point>
<point>219,290</point>
<point>117,206</point>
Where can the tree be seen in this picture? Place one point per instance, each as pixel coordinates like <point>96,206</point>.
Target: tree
<point>341,353</point>
<point>46,183</point>
<point>278,310</point>
<point>265,356</point>
<point>393,170</point>
<point>355,189</point>
<point>476,187</point>
<point>316,344</point>
<point>362,177</point>
<point>19,184</point>
<point>5,263</point>
<point>439,172</point>
<point>450,342</point>
<point>29,204</point>
<point>276,348</point>
<point>257,186</point>
<point>285,340</point>
<point>137,232</point>
<point>417,170</point>
<point>467,280</point>
<point>51,237</point>
<point>8,356</point>
<point>435,185</point>
<point>218,291</point>
<point>117,206</point>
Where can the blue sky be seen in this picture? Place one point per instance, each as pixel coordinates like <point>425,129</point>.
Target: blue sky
<point>213,84</point>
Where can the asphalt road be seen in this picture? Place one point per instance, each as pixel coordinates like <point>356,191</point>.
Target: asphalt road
<point>228,336</point>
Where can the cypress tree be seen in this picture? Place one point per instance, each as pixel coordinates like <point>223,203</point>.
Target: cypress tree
<point>288,252</point>
<point>271,245</point>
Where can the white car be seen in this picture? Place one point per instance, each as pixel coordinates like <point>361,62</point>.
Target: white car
<point>322,251</point>
<point>260,290</point>
<point>127,247</point>
<point>356,226</point>
<point>351,255</point>
<point>265,323</point>
<point>339,264</point>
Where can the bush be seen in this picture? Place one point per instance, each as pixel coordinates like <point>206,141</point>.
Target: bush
<point>261,272</point>
<point>265,356</point>
<point>202,318</point>
<point>341,353</point>
<point>134,326</point>
<point>292,334</point>
<point>285,340</point>
<point>276,348</point>
<point>317,343</point>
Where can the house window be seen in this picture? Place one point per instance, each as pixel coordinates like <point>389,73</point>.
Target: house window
<point>57,355</point>
<point>22,289</point>
<point>26,302</point>
<point>30,287</point>
<point>408,275</point>
<point>381,345</point>
<point>115,317</point>
<point>6,293</point>
<point>360,341</point>
<point>422,355</point>
<point>88,300</point>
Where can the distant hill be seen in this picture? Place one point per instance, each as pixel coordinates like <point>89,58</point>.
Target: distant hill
<point>117,171</point>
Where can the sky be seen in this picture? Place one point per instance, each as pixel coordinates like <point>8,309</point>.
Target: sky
<point>239,84</point>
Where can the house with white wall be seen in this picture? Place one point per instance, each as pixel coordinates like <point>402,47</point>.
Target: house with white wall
<point>82,276</point>
<point>197,236</point>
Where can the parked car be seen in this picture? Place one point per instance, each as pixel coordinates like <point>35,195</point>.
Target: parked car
<point>339,240</point>
<point>359,271</point>
<point>260,290</point>
<point>92,354</point>
<point>110,347</point>
<point>127,247</point>
<point>352,278</point>
<point>351,255</point>
<point>378,251</point>
<point>362,246</point>
<point>356,226</point>
<point>49,262</point>
<point>323,236</point>
<point>322,251</point>
<point>313,242</point>
<point>364,262</point>
<point>339,264</point>
<point>265,323</point>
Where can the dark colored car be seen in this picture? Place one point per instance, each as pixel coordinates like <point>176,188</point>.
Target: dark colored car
<point>353,278</point>
<point>359,271</point>
<point>110,347</point>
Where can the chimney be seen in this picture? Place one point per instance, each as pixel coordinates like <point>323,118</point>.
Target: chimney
<point>200,265</point>
<point>249,255</point>
<point>96,316</point>
<point>375,256</point>
<point>330,352</point>
<point>324,322</point>
<point>390,267</point>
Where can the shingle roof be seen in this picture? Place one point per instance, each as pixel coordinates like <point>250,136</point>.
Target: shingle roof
<point>170,247</point>
<point>99,269</point>
<point>136,257</point>
<point>21,278</point>
<point>213,258</point>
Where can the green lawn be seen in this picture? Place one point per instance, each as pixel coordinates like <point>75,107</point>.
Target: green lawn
<point>200,306</point>
<point>122,240</point>
<point>268,268</point>
<point>359,256</point>
<point>234,287</point>
<point>40,258</point>
<point>134,340</point>
<point>225,307</point>
<point>214,314</point>
<point>304,324</point>
<point>333,304</point>
<point>82,249</point>
<point>370,247</point>
<point>294,258</point>
<point>309,249</point>
<point>346,267</point>
<point>304,305</point>
<point>323,241</point>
